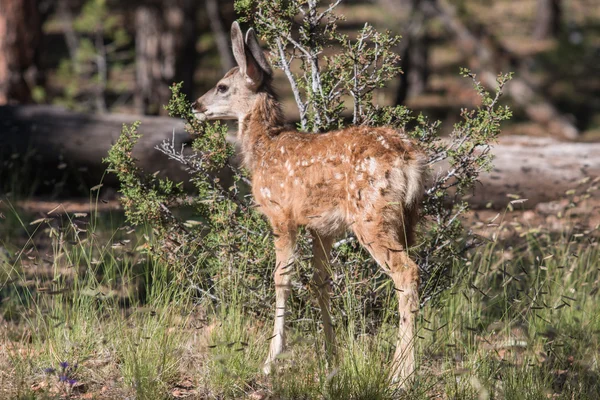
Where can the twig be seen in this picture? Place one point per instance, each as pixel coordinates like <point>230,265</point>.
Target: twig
<point>286,68</point>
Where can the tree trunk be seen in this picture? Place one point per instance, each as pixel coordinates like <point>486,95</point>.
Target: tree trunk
<point>548,19</point>
<point>414,48</point>
<point>165,51</point>
<point>415,62</point>
<point>20,34</point>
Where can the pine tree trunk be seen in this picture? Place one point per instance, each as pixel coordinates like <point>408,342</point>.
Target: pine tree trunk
<point>415,61</point>
<point>415,48</point>
<point>20,34</point>
<point>165,51</point>
<point>547,22</point>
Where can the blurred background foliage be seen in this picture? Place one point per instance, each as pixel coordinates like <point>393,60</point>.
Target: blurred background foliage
<point>107,55</point>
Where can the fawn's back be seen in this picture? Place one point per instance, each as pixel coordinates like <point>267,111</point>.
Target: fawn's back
<point>328,182</point>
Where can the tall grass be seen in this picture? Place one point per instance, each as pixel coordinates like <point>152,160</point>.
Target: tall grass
<point>522,322</point>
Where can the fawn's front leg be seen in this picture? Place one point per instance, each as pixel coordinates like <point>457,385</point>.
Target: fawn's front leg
<point>284,247</point>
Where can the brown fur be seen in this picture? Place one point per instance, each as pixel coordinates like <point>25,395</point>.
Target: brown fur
<point>361,178</point>
<point>330,181</point>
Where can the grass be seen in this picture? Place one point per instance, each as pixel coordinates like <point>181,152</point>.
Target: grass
<point>522,323</point>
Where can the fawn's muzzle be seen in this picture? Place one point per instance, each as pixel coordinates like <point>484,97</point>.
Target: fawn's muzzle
<point>199,110</point>
<point>198,107</point>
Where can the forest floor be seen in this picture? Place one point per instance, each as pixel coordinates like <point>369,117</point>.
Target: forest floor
<point>521,322</point>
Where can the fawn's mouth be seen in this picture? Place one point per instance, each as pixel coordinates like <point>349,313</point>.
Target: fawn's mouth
<point>200,116</point>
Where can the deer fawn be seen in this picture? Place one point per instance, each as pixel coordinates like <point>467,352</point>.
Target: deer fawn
<point>363,178</point>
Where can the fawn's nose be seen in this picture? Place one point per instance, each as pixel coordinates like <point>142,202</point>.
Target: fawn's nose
<point>198,106</point>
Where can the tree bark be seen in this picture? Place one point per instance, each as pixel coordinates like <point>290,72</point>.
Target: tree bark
<point>548,19</point>
<point>165,51</point>
<point>20,35</point>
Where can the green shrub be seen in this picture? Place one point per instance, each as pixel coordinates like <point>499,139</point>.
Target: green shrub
<point>228,232</point>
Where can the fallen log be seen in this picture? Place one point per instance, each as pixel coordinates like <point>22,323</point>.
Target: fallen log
<point>536,169</point>
<point>62,142</point>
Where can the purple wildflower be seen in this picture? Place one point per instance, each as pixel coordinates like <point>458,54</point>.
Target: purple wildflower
<point>62,378</point>
<point>64,365</point>
<point>49,370</point>
<point>71,381</point>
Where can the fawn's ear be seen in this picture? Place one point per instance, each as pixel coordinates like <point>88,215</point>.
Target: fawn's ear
<point>257,52</point>
<point>237,41</point>
<point>248,65</point>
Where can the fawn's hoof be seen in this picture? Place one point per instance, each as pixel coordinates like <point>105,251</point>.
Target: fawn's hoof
<point>267,367</point>
<point>401,381</point>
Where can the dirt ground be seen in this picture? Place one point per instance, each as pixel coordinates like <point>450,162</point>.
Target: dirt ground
<point>576,215</point>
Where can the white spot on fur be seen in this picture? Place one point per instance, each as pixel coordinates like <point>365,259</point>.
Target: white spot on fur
<point>265,192</point>
<point>372,166</point>
<point>338,175</point>
<point>382,140</point>
<point>282,150</point>
<point>380,184</point>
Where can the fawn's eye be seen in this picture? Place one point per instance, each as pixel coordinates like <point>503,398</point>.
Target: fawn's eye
<point>222,88</point>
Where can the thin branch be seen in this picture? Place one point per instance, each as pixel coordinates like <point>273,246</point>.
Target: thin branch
<point>195,166</point>
<point>286,68</point>
<point>328,10</point>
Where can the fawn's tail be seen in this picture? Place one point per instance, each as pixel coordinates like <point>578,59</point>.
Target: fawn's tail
<point>415,176</point>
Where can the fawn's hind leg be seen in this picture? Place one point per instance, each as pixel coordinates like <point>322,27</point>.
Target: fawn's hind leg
<point>406,286</point>
<point>285,241</point>
<point>320,287</point>
<point>390,253</point>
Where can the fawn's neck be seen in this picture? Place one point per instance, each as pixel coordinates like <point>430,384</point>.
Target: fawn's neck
<point>258,127</point>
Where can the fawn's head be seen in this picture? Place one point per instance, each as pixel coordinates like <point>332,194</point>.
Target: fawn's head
<point>235,94</point>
